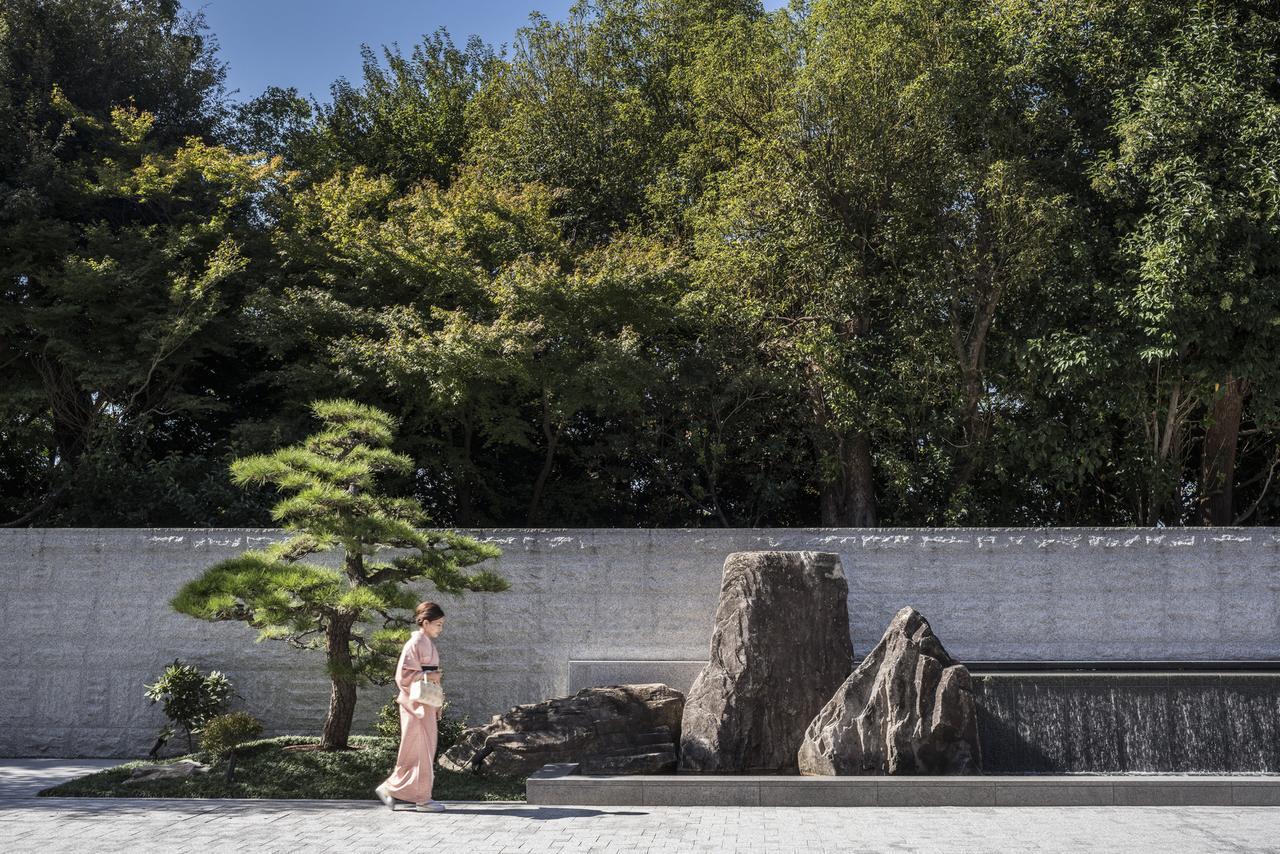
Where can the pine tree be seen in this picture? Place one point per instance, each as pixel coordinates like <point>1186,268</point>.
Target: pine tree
<point>356,613</point>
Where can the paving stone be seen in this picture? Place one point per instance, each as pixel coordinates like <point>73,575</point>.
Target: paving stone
<point>47,825</point>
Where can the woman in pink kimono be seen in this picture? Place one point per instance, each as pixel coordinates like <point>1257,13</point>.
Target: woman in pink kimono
<point>412,778</point>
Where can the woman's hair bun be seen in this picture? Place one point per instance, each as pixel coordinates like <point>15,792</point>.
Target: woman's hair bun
<point>427,612</point>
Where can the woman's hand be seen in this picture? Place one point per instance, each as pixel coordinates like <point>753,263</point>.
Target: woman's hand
<point>434,677</point>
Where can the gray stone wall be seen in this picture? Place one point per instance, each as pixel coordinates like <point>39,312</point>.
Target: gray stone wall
<point>84,618</point>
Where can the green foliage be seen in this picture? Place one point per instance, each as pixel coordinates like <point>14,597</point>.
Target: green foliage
<point>593,107</point>
<point>122,243</point>
<point>333,500</point>
<point>223,734</point>
<point>190,699</point>
<point>387,724</point>
<point>1194,173</point>
<point>276,768</point>
<point>407,119</point>
<point>671,262</point>
<point>448,729</point>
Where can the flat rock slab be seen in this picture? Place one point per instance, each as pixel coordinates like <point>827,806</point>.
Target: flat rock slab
<point>779,648</point>
<point>180,770</point>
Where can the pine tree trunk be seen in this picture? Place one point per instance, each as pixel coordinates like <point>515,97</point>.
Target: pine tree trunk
<point>1218,465</point>
<point>342,692</point>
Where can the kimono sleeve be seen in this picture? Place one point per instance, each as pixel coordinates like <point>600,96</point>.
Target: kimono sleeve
<point>408,669</point>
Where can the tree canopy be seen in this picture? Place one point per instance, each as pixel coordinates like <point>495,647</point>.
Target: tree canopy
<point>663,263</point>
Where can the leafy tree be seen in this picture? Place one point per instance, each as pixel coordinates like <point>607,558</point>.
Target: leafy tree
<point>121,252</point>
<point>406,120</point>
<point>189,699</point>
<point>334,502</point>
<point>112,284</point>
<point>795,235</point>
<point>669,262</point>
<point>467,309</point>
<point>363,266</point>
<point>101,54</point>
<point>1195,173</point>
<point>278,122</point>
<point>596,108</point>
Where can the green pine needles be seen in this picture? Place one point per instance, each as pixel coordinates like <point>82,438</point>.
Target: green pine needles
<point>357,613</point>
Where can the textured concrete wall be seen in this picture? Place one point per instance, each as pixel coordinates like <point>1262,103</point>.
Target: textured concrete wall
<point>84,618</point>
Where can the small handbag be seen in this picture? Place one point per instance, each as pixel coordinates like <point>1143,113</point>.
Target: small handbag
<point>426,692</point>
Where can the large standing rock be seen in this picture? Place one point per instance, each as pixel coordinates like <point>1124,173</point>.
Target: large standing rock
<point>779,648</point>
<point>907,709</point>
<point>624,729</point>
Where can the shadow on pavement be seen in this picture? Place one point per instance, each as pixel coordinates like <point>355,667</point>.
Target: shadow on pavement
<point>537,813</point>
<point>23,778</point>
<point>72,808</point>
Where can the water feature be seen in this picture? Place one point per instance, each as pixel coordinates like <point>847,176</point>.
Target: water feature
<point>1220,720</point>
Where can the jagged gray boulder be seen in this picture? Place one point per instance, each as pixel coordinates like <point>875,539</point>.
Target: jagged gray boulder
<point>779,648</point>
<point>623,729</point>
<point>907,709</point>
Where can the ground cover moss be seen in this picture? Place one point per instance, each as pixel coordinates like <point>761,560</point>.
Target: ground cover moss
<point>266,769</point>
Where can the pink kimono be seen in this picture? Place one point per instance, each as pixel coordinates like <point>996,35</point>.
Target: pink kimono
<point>412,778</point>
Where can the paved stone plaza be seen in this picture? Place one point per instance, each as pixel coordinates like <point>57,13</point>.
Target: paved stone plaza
<point>45,825</point>
<point>50,826</point>
<point>53,825</point>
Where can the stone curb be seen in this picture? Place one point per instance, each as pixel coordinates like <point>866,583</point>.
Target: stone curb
<point>561,785</point>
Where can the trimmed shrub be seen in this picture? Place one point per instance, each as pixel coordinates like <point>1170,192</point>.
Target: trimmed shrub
<point>189,699</point>
<point>221,736</point>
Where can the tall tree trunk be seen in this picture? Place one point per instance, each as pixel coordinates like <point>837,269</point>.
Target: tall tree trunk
<point>552,434</point>
<point>72,408</point>
<point>829,503</point>
<point>848,498</point>
<point>969,335</point>
<point>1218,464</point>
<point>466,501</point>
<point>1165,430</point>
<point>342,688</point>
<point>860,495</point>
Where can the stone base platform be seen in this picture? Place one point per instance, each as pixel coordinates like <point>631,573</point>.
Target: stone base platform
<point>559,785</point>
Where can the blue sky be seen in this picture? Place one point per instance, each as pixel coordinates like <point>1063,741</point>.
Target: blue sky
<point>310,43</point>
